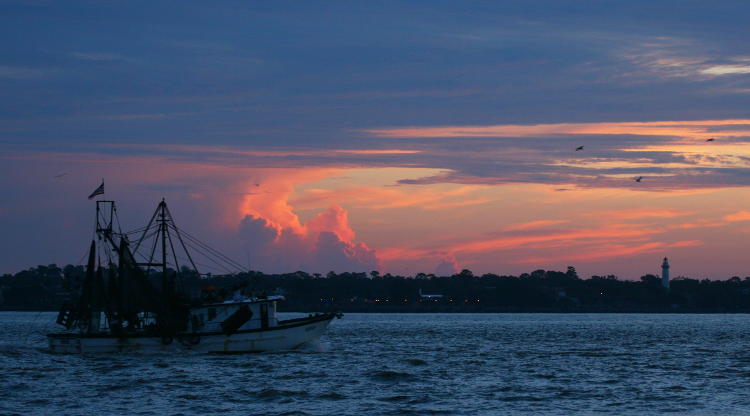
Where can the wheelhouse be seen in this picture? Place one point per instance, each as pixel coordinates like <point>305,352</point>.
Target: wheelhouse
<point>236,315</point>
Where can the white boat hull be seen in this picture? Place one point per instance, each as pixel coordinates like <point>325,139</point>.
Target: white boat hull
<point>286,336</point>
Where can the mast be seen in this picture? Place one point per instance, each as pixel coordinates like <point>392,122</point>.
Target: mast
<point>163,228</point>
<point>127,292</point>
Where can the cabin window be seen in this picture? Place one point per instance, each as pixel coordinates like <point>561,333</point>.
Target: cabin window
<point>211,313</point>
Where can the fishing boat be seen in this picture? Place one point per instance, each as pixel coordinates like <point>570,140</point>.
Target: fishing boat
<point>127,305</point>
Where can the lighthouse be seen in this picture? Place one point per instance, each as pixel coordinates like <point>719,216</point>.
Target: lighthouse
<point>665,274</point>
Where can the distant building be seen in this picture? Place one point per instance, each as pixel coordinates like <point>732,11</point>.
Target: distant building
<point>665,274</point>
<point>424,296</point>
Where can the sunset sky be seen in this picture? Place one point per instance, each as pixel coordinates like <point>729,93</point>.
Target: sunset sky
<point>405,137</point>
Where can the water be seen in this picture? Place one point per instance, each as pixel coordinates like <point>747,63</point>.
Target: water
<point>393,364</point>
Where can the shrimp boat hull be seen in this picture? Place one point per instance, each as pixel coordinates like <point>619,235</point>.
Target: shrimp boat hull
<point>288,335</point>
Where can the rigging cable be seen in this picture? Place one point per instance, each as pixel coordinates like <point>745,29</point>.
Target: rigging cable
<point>227,259</point>
<point>220,265</point>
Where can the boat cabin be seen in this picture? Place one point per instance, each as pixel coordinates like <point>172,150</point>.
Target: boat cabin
<point>238,314</point>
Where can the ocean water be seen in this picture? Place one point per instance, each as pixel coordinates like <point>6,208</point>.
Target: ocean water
<point>406,364</point>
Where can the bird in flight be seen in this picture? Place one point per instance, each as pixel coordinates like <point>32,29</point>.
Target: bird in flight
<point>638,179</point>
<point>61,175</point>
<point>711,139</point>
<point>579,148</point>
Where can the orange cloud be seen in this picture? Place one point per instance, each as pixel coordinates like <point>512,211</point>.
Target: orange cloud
<point>700,223</point>
<point>738,216</point>
<point>335,220</point>
<point>692,129</point>
<point>557,238</point>
<point>324,242</point>
<point>616,232</point>
<point>608,251</point>
<point>597,253</point>
<point>640,213</point>
<point>380,198</point>
<point>533,224</point>
<point>686,243</point>
<point>268,195</point>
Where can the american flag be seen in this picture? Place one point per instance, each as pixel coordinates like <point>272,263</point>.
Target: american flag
<point>97,191</point>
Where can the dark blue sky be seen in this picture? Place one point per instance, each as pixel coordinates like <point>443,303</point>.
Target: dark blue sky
<point>304,73</point>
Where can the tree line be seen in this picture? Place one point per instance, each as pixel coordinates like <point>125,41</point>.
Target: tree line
<point>48,287</point>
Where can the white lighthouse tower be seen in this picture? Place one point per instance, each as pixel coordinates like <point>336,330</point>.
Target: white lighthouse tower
<point>665,274</point>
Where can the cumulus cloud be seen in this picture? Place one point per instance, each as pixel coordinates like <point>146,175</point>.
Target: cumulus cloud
<point>448,266</point>
<point>322,244</point>
<point>277,240</point>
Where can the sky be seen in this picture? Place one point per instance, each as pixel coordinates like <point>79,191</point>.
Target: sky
<point>404,137</point>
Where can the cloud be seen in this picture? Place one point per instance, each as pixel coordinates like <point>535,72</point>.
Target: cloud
<point>533,224</point>
<point>597,253</point>
<point>20,73</point>
<point>98,56</point>
<point>738,216</point>
<point>699,223</point>
<point>640,213</point>
<point>256,234</point>
<point>682,58</point>
<point>609,251</point>
<point>448,266</point>
<point>278,241</point>
<point>381,198</point>
<point>726,70</point>
<point>316,247</point>
<point>377,151</point>
<point>688,128</point>
<point>575,236</point>
<point>584,239</point>
<point>335,220</point>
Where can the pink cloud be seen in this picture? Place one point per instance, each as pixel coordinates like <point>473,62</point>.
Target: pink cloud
<point>597,253</point>
<point>567,238</point>
<point>533,224</point>
<point>640,213</point>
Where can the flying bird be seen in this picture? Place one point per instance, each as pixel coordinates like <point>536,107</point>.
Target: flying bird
<point>579,148</point>
<point>61,175</point>
<point>711,139</point>
<point>638,179</point>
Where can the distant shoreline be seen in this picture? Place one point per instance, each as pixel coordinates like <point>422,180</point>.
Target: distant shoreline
<point>46,288</point>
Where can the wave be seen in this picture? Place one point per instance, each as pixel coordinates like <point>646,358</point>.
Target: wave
<point>416,361</point>
<point>390,375</point>
<point>272,393</point>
